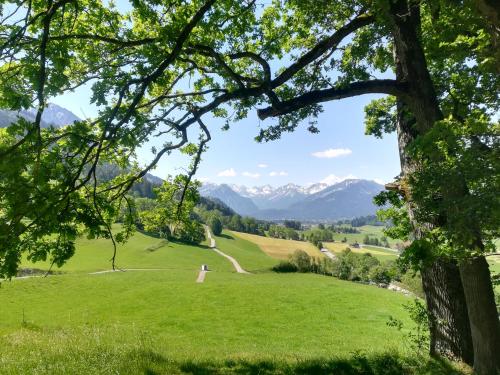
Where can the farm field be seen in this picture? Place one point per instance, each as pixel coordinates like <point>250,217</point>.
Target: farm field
<point>161,321</point>
<point>279,248</point>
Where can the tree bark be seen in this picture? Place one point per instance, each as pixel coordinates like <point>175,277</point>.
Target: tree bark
<point>450,333</point>
<point>485,326</point>
<point>449,322</point>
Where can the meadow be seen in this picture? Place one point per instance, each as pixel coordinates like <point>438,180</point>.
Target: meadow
<point>159,321</point>
<point>379,253</point>
<point>370,230</point>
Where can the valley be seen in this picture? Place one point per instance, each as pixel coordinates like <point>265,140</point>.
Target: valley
<point>165,322</point>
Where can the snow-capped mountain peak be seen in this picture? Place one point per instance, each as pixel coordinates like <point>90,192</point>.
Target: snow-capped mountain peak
<point>346,199</point>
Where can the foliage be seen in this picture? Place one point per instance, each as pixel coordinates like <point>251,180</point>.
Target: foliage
<point>458,184</point>
<point>418,338</point>
<point>301,260</point>
<point>171,217</point>
<point>293,224</point>
<point>380,275</point>
<point>283,232</point>
<point>138,63</point>
<point>346,266</point>
<point>285,266</point>
<point>215,225</point>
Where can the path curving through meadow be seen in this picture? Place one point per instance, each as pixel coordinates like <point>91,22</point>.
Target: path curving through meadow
<point>235,263</point>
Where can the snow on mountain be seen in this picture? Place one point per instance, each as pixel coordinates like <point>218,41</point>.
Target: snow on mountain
<point>315,188</point>
<point>52,115</point>
<point>346,199</point>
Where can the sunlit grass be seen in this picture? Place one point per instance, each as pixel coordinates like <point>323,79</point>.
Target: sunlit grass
<point>162,321</point>
<point>279,248</point>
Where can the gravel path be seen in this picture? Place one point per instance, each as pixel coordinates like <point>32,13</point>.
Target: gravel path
<point>201,277</point>
<point>235,263</point>
<point>328,253</point>
<point>127,269</point>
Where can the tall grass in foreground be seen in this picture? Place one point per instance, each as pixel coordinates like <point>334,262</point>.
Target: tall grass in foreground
<point>92,350</point>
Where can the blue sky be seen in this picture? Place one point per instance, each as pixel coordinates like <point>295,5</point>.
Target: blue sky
<point>340,150</point>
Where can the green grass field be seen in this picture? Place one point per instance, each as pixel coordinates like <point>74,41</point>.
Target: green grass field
<point>381,254</point>
<point>162,322</point>
<point>371,230</point>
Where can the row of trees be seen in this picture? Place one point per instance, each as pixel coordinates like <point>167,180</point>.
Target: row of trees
<point>346,266</point>
<point>370,240</point>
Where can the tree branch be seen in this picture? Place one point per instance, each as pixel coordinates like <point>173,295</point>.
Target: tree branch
<point>326,44</point>
<point>377,86</point>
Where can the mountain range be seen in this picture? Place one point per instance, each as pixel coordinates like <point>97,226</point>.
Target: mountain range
<point>319,202</point>
<point>53,115</point>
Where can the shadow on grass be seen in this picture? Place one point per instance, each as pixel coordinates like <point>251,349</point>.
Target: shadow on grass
<point>226,236</point>
<point>386,364</point>
<point>167,242</point>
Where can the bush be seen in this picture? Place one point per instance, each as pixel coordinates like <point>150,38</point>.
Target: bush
<point>285,267</point>
<point>412,282</point>
<point>302,260</point>
<point>191,232</point>
<point>380,274</point>
<point>215,225</point>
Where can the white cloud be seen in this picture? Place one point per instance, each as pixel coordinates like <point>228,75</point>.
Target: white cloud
<point>227,173</point>
<point>281,173</point>
<point>333,179</point>
<point>251,175</point>
<point>262,165</point>
<point>379,181</point>
<point>332,153</point>
<point>203,179</point>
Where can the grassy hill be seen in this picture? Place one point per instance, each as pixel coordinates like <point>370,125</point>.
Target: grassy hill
<point>161,321</point>
<point>141,251</point>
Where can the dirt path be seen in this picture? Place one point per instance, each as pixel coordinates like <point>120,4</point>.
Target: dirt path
<point>329,254</point>
<point>201,276</point>
<point>235,263</point>
<point>127,269</point>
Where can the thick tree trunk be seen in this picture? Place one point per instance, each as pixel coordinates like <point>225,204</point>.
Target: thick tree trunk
<point>446,289</point>
<point>485,326</point>
<point>449,322</point>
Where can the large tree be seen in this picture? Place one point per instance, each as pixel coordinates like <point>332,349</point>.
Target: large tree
<point>156,71</point>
